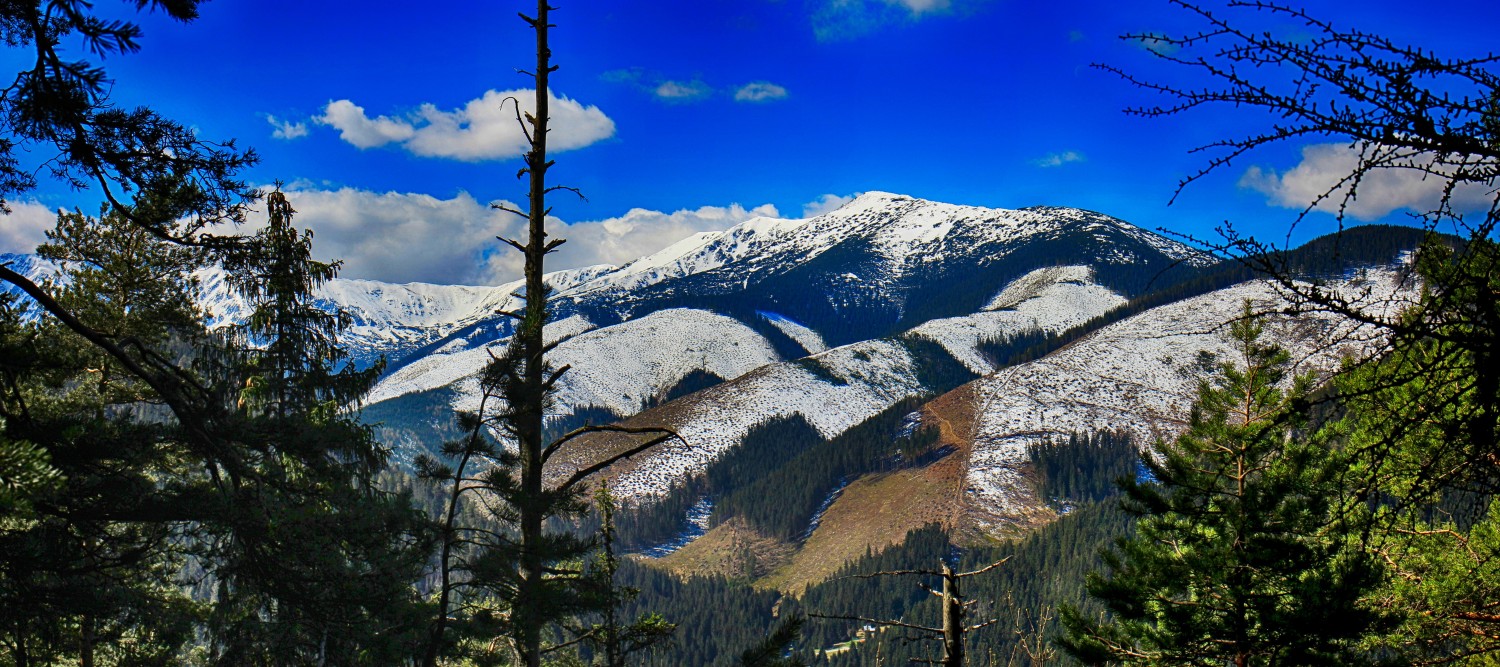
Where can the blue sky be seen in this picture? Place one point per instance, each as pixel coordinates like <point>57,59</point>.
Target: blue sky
<point>691,115</point>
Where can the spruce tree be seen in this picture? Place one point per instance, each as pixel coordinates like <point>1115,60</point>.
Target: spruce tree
<point>1238,556</point>
<point>313,562</point>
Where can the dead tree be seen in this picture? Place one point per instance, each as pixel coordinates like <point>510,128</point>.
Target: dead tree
<point>532,571</point>
<point>954,610</point>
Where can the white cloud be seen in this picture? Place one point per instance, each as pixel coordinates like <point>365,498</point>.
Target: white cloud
<point>641,232</point>
<point>1381,191</point>
<point>483,129</point>
<point>846,19</point>
<point>825,204</point>
<point>678,91</point>
<point>286,129</point>
<point>1059,159</point>
<point>401,237</point>
<point>25,226</point>
<point>759,91</point>
<point>361,130</point>
<point>408,237</point>
<point>918,7</point>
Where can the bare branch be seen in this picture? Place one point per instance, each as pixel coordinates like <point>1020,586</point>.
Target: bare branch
<point>984,569</point>
<point>611,460</point>
<point>893,624</point>
<point>584,430</point>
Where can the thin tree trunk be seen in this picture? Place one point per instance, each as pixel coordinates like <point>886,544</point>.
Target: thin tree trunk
<point>529,419</point>
<point>953,620</point>
<point>86,642</point>
<point>450,519</point>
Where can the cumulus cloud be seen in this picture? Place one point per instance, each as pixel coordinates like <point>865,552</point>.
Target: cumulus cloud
<point>359,129</point>
<point>638,233</point>
<point>679,91</point>
<point>1381,191</point>
<point>483,129</point>
<point>409,237</point>
<point>400,237</point>
<point>846,19</point>
<point>1059,159</point>
<point>826,204</point>
<point>285,129</point>
<point>25,226</point>
<point>759,91</point>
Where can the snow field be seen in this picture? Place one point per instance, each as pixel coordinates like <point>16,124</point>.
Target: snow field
<point>1051,299</point>
<point>1141,375</point>
<point>876,373</point>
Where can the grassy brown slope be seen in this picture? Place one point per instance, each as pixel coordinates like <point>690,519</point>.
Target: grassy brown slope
<point>877,511</point>
<point>731,549</point>
<point>872,513</point>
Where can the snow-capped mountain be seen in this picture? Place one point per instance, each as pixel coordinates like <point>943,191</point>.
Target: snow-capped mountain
<point>765,291</point>
<point>833,319</point>
<point>880,265</point>
<point>841,387</point>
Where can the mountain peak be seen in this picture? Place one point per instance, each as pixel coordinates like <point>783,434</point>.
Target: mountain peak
<point>872,199</point>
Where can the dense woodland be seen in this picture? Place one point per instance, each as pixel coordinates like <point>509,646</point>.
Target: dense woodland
<point>175,495</point>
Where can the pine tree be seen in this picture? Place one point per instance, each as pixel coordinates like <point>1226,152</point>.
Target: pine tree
<point>314,564</point>
<point>89,570</point>
<point>1419,422</point>
<point>1238,557</point>
<point>776,649</point>
<point>611,637</point>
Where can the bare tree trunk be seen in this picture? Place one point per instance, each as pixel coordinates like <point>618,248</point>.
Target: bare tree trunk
<point>527,614</point>
<point>953,620</point>
<point>86,642</point>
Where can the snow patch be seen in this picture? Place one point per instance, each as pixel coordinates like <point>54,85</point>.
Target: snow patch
<point>1052,300</point>
<point>807,338</point>
<point>1141,375</point>
<point>871,376</point>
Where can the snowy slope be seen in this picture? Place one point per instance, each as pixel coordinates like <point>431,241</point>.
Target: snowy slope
<point>871,376</point>
<point>1139,375</point>
<point>619,367</point>
<point>839,388</point>
<point>807,338</point>
<point>1051,299</point>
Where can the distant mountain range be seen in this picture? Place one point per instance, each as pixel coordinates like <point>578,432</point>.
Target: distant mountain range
<point>831,322</point>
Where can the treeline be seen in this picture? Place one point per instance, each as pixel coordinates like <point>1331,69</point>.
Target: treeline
<point>782,496</point>
<point>716,617</point>
<point>1084,468</point>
